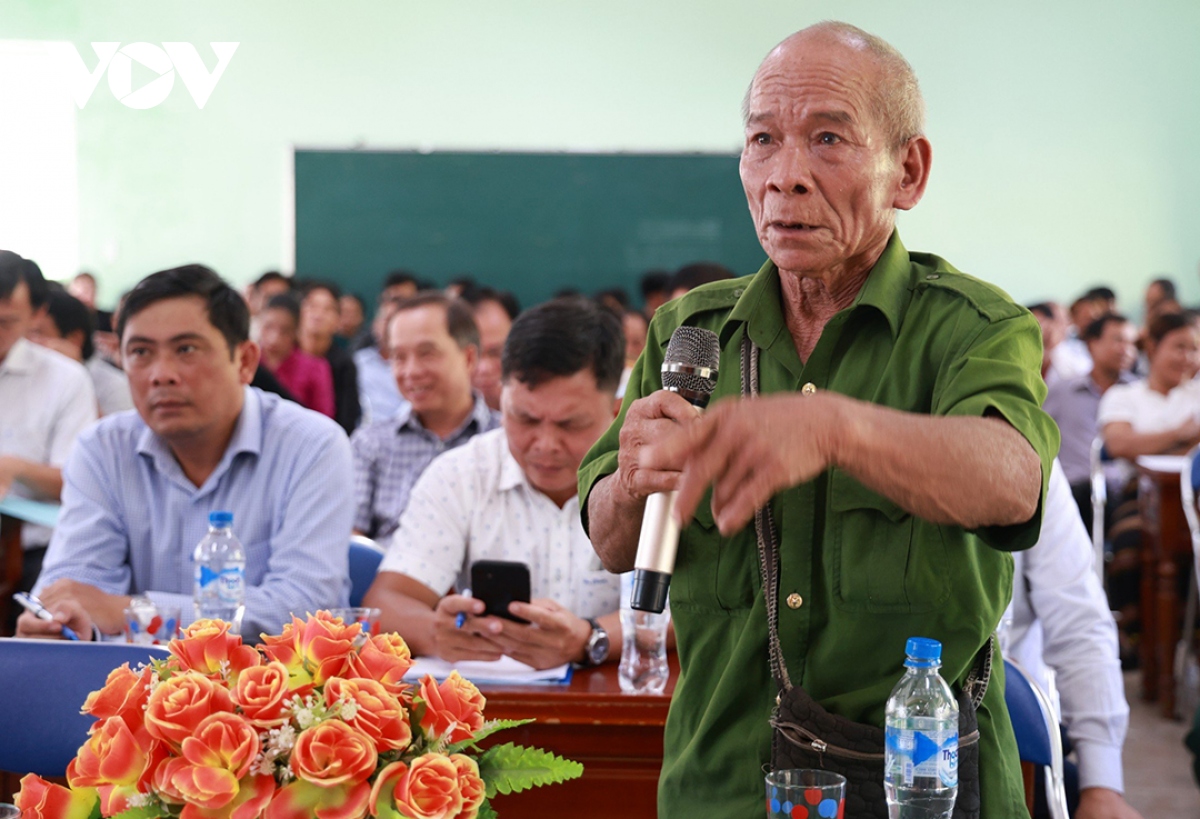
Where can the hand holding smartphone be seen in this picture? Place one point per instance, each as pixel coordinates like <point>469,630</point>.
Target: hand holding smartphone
<point>498,583</point>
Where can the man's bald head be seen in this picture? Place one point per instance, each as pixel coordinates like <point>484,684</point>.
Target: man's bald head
<point>897,101</point>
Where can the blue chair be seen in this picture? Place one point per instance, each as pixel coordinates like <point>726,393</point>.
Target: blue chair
<point>1038,740</point>
<point>365,557</point>
<point>48,681</point>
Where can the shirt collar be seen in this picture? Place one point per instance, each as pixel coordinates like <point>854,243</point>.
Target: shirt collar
<point>19,359</point>
<point>511,474</point>
<point>480,415</point>
<point>247,437</point>
<point>888,290</point>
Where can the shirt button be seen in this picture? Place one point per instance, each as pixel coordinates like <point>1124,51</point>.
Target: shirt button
<point>794,601</point>
<point>933,277</point>
<point>808,389</point>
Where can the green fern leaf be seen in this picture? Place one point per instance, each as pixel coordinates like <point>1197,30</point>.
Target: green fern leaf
<point>486,811</point>
<point>510,768</point>
<point>490,727</point>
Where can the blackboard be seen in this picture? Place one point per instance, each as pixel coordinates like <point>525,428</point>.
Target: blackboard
<point>530,223</point>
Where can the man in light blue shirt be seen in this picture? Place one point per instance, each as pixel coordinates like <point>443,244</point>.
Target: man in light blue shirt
<point>139,486</point>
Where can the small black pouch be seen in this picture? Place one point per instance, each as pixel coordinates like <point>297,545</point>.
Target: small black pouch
<point>806,735</point>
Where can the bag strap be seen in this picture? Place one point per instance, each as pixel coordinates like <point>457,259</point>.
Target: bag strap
<point>767,535</point>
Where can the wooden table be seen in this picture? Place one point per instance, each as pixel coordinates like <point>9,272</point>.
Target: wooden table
<point>618,737</point>
<point>1166,555</point>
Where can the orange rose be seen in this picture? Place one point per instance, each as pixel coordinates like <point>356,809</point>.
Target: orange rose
<point>470,784</point>
<point>261,692</point>
<point>180,704</point>
<point>178,783</point>
<point>332,762</point>
<point>206,645</point>
<point>333,753</point>
<point>313,650</point>
<point>455,707</point>
<point>117,761</point>
<point>427,788</point>
<point>376,713</point>
<point>39,799</point>
<point>124,695</point>
<point>224,741</point>
<point>384,658</point>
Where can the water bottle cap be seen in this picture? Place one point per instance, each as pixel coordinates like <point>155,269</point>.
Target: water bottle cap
<point>924,649</point>
<point>220,520</point>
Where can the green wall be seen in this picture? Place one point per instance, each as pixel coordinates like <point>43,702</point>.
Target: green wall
<point>1064,133</point>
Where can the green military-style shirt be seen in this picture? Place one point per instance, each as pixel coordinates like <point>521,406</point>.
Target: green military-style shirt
<point>859,573</point>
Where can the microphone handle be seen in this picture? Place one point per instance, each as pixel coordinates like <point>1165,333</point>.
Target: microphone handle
<point>655,561</point>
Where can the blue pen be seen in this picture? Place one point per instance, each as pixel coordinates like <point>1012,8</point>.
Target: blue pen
<point>460,619</point>
<point>35,607</point>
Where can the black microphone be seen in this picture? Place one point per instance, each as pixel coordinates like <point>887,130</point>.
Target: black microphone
<point>689,369</point>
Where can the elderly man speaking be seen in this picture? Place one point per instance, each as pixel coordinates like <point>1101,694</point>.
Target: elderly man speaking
<point>898,449</point>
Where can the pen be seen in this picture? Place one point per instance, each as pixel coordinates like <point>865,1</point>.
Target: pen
<point>35,607</point>
<point>461,618</point>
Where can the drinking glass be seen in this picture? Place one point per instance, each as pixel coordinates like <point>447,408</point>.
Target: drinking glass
<point>368,618</point>
<point>149,624</point>
<point>803,793</point>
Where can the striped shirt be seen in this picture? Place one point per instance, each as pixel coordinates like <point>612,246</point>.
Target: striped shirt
<point>390,455</point>
<point>131,518</point>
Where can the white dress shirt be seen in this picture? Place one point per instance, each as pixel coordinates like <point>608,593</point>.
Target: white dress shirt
<point>1060,618</point>
<point>46,400</point>
<point>475,503</point>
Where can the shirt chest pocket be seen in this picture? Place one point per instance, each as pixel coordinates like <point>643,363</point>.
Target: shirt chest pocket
<point>714,572</point>
<point>884,560</point>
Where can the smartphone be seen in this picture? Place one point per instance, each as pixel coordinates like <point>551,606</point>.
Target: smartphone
<point>498,583</point>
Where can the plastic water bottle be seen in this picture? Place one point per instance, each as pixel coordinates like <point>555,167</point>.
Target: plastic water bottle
<point>921,757</point>
<point>219,591</point>
<point>643,668</point>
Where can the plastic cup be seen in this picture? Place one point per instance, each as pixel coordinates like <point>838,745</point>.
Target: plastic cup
<point>149,624</point>
<point>9,811</point>
<point>804,793</point>
<point>368,618</point>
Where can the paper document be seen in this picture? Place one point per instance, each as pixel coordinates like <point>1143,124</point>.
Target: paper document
<point>30,511</point>
<point>506,670</point>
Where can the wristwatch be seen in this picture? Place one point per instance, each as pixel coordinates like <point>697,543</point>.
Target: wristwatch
<point>595,651</point>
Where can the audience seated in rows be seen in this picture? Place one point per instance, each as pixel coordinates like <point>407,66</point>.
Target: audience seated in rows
<point>307,378</point>
<point>433,344</point>
<point>510,494</point>
<point>1075,403</point>
<point>67,326</point>
<point>46,400</point>
<point>320,314</point>
<point>494,318</point>
<point>378,394</point>
<point>138,487</point>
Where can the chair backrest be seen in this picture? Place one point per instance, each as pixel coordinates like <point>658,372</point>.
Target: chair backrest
<point>47,682</point>
<point>1038,739</point>
<point>365,557</point>
<point>1099,484</point>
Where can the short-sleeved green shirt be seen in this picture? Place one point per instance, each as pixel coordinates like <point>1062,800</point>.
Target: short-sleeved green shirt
<point>920,337</point>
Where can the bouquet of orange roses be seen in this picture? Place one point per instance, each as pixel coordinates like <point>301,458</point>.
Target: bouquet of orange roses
<point>314,722</point>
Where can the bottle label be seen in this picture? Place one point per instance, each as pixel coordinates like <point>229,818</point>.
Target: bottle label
<point>230,586</point>
<point>925,754</point>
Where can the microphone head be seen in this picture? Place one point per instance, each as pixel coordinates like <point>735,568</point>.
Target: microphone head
<point>690,365</point>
